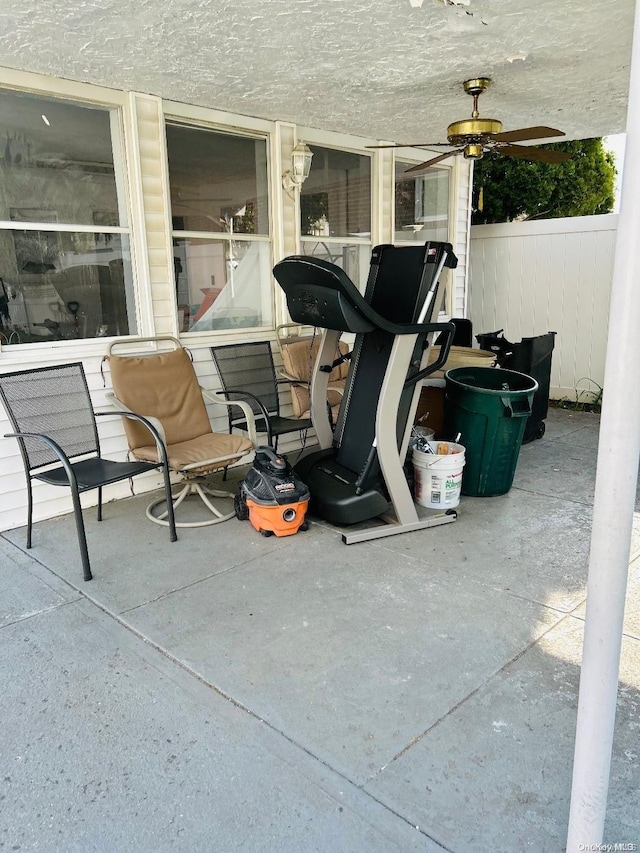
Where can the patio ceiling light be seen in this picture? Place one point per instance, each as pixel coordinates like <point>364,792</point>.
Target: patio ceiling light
<point>301,157</point>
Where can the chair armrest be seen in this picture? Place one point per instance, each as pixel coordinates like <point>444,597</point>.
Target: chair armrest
<point>346,357</point>
<point>220,398</point>
<point>62,456</point>
<point>152,424</point>
<point>292,380</point>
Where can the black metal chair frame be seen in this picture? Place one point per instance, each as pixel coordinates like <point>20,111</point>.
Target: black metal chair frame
<point>268,418</point>
<point>90,472</point>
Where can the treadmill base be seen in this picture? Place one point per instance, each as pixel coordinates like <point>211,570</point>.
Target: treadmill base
<point>392,527</point>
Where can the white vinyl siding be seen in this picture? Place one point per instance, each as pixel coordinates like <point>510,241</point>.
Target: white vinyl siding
<point>460,218</point>
<point>554,275</point>
<point>454,301</point>
<point>149,162</point>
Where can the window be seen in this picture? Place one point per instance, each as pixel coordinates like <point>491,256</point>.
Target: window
<point>421,205</point>
<point>65,266</point>
<point>335,211</point>
<point>221,243</point>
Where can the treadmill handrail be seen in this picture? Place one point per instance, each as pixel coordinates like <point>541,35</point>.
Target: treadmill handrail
<point>327,276</point>
<point>445,347</point>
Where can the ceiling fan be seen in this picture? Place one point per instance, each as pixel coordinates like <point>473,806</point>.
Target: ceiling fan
<point>474,137</point>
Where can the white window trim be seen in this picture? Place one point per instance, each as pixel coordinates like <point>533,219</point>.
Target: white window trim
<point>410,156</point>
<point>202,118</point>
<point>90,95</point>
<point>355,145</point>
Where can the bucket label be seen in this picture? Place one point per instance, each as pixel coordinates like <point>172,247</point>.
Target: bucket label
<point>444,489</point>
<point>452,485</point>
<point>436,484</point>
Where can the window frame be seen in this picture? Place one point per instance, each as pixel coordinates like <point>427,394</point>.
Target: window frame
<point>202,118</point>
<point>119,105</point>
<point>412,160</point>
<point>409,156</point>
<point>352,145</point>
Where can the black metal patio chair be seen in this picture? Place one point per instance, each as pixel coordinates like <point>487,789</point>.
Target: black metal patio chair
<point>247,372</point>
<point>53,420</point>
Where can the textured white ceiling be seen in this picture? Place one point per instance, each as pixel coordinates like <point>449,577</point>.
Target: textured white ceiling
<point>386,69</point>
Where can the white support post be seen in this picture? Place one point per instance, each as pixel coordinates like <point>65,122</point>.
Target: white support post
<point>615,493</point>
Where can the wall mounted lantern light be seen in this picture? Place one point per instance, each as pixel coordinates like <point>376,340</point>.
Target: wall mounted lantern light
<point>301,157</point>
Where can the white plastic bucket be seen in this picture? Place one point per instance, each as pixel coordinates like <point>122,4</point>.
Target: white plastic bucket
<point>438,475</point>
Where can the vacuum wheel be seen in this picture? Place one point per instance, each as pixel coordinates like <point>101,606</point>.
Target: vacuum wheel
<point>240,507</point>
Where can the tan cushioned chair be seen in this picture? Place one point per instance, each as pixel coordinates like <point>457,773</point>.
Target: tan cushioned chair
<point>298,359</point>
<point>164,388</point>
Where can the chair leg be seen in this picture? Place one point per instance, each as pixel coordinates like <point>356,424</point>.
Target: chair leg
<point>190,487</point>
<point>99,503</point>
<point>171,519</point>
<point>29,510</point>
<point>270,434</point>
<point>82,537</point>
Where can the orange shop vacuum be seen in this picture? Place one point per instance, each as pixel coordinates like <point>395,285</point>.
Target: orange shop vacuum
<point>271,496</point>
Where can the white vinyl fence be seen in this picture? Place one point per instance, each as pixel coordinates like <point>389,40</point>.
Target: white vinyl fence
<point>552,275</point>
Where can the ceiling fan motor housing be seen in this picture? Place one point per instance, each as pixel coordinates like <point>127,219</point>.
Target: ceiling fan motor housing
<point>472,129</point>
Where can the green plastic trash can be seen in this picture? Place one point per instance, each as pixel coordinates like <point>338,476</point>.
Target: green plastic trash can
<point>489,407</point>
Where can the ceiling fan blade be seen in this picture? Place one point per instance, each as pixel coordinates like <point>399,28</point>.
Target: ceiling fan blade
<point>412,145</point>
<point>542,155</point>
<point>432,162</point>
<point>525,133</point>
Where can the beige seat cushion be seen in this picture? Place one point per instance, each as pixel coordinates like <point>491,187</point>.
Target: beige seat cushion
<point>206,447</point>
<point>298,359</point>
<point>335,410</point>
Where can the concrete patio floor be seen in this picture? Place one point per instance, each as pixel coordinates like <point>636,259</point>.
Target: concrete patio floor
<point>231,692</point>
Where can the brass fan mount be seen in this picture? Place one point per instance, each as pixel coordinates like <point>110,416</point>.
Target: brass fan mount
<point>474,129</point>
<point>476,87</point>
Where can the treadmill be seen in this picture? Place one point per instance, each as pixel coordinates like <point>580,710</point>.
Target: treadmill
<point>356,474</point>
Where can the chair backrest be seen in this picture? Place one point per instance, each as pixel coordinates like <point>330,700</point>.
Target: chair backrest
<point>298,359</point>
<point>163,386</point>
<point>249,367</point>
<point>52,401</point>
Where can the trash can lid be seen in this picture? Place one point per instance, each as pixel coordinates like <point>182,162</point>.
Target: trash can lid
<point>491,380</point>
